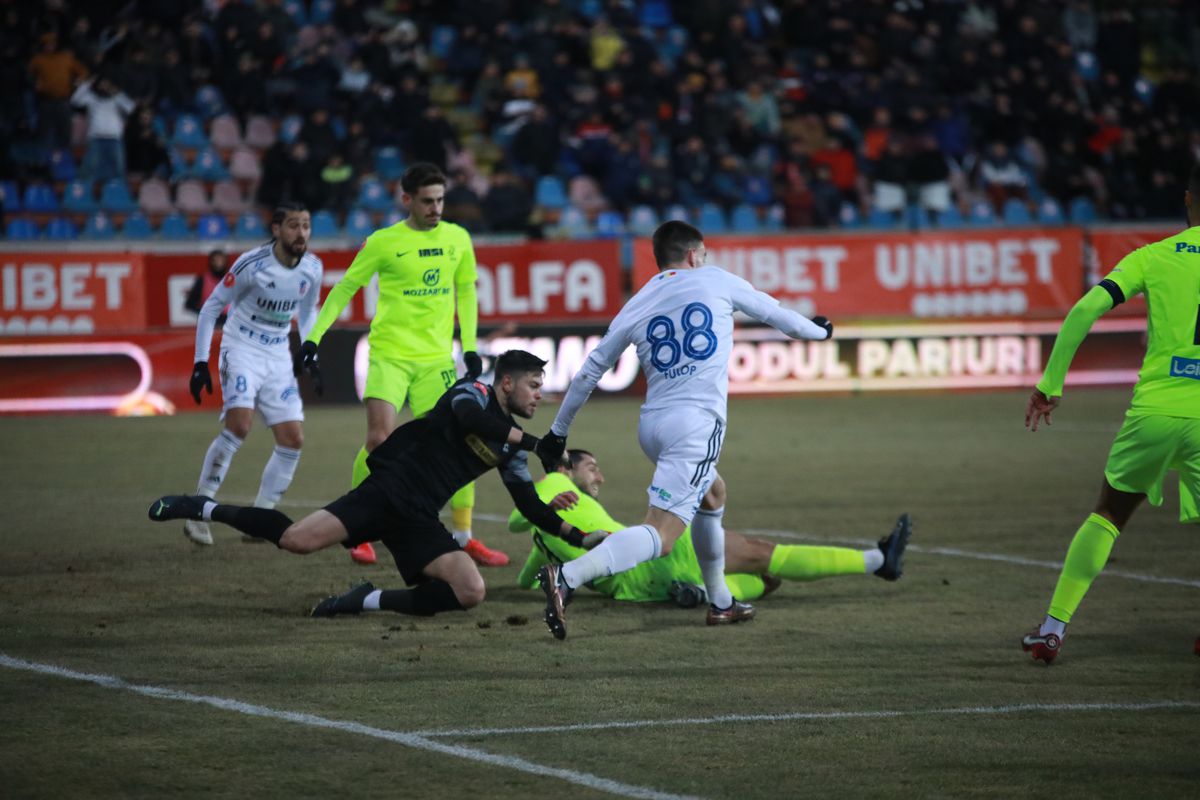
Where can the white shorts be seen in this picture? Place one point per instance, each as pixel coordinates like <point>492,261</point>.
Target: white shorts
<point>685,445</point>
<point>262,381</point>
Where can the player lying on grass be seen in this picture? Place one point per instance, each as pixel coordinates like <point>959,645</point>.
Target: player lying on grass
<point>753,567</point>
<point>413,473</point>
<point>1162,427</point>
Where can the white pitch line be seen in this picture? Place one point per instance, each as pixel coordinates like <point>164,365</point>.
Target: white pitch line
<point>413,740</point>
<point>1173,705</point>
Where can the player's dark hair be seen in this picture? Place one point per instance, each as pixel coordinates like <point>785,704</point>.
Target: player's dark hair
<point>572,457</point>
<point>284,208</point>
<point>672,241</point>
<point>421,174</point>
<point>517,362</point>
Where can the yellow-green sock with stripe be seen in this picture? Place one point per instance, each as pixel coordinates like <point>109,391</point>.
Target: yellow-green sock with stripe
<point>1086,556</point>
<point>795,562</point>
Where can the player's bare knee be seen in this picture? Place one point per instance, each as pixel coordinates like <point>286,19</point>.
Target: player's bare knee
<point>470,591</point>
<point>715,497</point>
<point>295,441</point>
<point>294,540</point>
<point>238,427</point>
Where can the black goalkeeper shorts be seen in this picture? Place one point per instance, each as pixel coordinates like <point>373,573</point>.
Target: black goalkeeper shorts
<point>414,537</point>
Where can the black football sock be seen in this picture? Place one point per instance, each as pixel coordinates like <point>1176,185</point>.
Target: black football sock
<point>423,601</point>
<point>261,523</point>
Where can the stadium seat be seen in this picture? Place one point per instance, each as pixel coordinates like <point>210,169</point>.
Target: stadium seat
<point>260,133</point>
<point>711,219</point>
<point>190,198</point>
<point>78,199</point>
<point>950,218</point>
<point>915,217</point>
<point>39,199</point>
<point>137,226</point>
<point>441,41</point>
<point>224,133</point>
<point>878,218</point>
<point>208,166</point>
<point>209,101</point>
<point>10,196</point>
<point>388,165</point>
<point>227,199</point>
<point>757,191</point>
<point>21,230</point>
<point>244,165</point>
<point>115,197</point>
<point>62,166</point>
<point>609,224</point>
<point>212,226</point>
<point>324,225</point>
<point>1082,210</point>
<point>776,216</point>
<point>359,225</point>
<point>1050,212</point>
<point>289,129</point>
<point>573,224</point>
<point>1016,212</point>
<point>643,220</point>
<point>250,226</point>
<point>981,213</point>
<point>61,229</point>
<point>744,219</point>
<point>373,196</point>
<point>655,14</point>
<point>393,216</point>
<point>179,164</point>
<point>154,197</point>
<point>175,226</point>
<point>677,212</point>
<point>550,193</point>
<point>99,227</point>
<point>189,134</point>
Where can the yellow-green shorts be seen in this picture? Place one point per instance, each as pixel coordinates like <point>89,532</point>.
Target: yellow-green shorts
<point>420,382</point>
<point>1145,448</point>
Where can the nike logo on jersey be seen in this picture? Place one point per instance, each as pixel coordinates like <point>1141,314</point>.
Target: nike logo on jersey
<point>402,255</point>
<point>1185,368</point>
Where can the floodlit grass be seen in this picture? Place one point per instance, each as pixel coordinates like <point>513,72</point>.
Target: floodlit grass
<point>88,584</point>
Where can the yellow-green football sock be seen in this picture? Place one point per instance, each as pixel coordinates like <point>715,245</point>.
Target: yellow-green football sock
<point>796,562</point>
<point>745,587</point>
<point>1086,556</point>
<point>361,470</point>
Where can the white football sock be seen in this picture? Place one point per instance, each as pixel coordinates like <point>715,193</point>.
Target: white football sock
<point>216,463</point>
<point>1052,625</point>
<point>462,537</point>
<point>277,476</point>
<point>708,540</point>
<point>623,550</point>
<point>371,601</point>
<point>873,559</point>
<point>207,509</point>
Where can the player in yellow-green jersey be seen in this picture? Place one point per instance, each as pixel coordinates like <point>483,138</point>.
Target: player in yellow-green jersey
<point>426,271</point>
<point>753,567</point>
<point>1162,427</point>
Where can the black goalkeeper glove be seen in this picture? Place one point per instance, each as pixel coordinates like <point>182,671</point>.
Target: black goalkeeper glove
<point>824,323</point>
<point>473,363</point>
<point>577,538</point>
<point>306,361</point>
<point>201,379</point>
<point>550,449</point>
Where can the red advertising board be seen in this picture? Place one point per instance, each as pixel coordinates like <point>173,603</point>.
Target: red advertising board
<point>1031,272</point>
<point>71,293</point>
<point>1110,245</point>
<point>528,282</point>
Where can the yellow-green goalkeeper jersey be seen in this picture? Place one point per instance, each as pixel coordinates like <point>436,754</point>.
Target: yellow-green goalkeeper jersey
<point>419,272</point>
<point>1168,273</point>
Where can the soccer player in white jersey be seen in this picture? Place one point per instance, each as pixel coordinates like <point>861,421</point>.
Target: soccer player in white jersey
<point>681,322</point>
<point>266,288</point>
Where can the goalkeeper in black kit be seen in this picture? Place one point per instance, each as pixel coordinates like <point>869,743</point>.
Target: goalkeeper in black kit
<point>413,473</point>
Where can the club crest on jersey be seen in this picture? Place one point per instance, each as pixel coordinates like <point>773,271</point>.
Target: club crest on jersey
<point>303,287</point>
<point>229,278</point>
<point>431,277</point>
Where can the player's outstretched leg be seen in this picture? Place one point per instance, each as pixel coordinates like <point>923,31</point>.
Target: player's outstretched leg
<point>737,612</point>
<point>350,602</point>
<point>178,506</point>
<point>558,596</point>
<point>1043,647</point>
<point>893,549</point>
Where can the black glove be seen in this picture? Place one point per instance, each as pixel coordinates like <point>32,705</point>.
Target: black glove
<point>201,379</point>
<point>588,541</point>
<point>473,363</point>
<point>826,324</point>
<point>550,450</point>
<point>306,361</point>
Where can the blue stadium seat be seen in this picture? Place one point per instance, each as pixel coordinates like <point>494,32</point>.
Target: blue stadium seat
<point>1050,212</point>
<point>744,219</point>
<point>441,40</point>
<point>359,225</point>
<point>711,219</point>
<point>388,165</point>
<point>189,133</point>
<point>609,224</point>
<point>39,199</point>
<point>550,193</point>
<point>324,225</point>
<point>174,226</point>
<point>643,220</point>
<point>393,216</point>
<point>137,226</point>
<point>78,199</point>
<point>61,229</point>
<point>209,101</point>
<point>179,164</point>
<point>62,166</point>
<point>950,218</point>
<point>1082,210</point>
<point>757,191</point>
<point>655,14</point>
<point>212,226</point>
<point>573,224</point>
<point>776,217</point>
<point>320,12</point>
<point>295,10</point>
<point>981,213</point>
<point>879,218</point>
<point>250,226</point>
<point>677,212</point>
<point>115,197</point>
<point>915,217</point>
<point>289,129</point>
<point>208,166</point>
<point>1016,212</point>
<point>10,196</point>
<point>99,227</point>
<point>373,196</point>
<point>22,230</point>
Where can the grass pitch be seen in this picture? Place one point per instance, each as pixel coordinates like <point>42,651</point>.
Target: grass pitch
<point>847,686</point>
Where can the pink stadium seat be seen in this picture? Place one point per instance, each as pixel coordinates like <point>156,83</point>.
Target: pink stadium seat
<point>154,197</point>
<point>260,133</point>
<point>224,133</point>
<point>244,165</point>
<point>190,198</point>
<point>227,198</point>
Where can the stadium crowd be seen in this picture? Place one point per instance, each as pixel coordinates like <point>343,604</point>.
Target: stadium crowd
<point>804,113</point>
